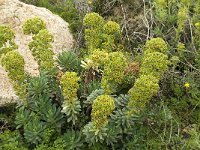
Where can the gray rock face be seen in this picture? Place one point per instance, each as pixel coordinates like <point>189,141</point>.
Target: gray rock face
<point>14,13</point>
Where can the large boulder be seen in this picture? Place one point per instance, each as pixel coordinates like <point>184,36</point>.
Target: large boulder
<point>14,13</point>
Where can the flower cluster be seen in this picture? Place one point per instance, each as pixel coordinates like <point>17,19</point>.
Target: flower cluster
<point>41,45</point>
<point>71,105</point>
<point>33,26</point>
<point>93,22</point>
<point>69,83</point>
<point>102,107</point>
<point>99,34</point>
<point>155,45</point>
<point>111,32</point>
<point>155,64</point>
<point>6,40</point>
<point>162,3</point>
<point>98,58</point>
<point>180,49</point>
<point>144,88</point>
<point>112,28</point>
<point>14,64</point>
<point>197,24</point>
<point>113,72</point>
<point>42,49</point>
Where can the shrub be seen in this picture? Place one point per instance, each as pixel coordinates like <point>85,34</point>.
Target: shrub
<point>122,102</point>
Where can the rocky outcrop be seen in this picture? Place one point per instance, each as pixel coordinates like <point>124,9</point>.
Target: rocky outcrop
<point>14,13</point>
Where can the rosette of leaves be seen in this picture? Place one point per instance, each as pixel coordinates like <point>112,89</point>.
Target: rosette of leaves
<point>11,141</point>
<point>155,64</point>
<point>14,64</point>
<point>92,135</point>
<point>121,101</point>
<point>93,23</point>
<point>41,49</point>
<point>113,73</point>
<point>145,87</point>
<point>108,135</point>
<point>34,131</point>
<point>72,110</point>
<point>69,61</point>
<point>93,85</point>
<point>73,140</point>
<point>6,40</point>
<point>39,121</point>
<point>44,84</point>
<point>99,146</point>
<point>40,117</point>
<point>38,86</point>
<point>23,116</point>
<point>52,116</point>
<point>113,135</point>
<point>71,105</point>
<point>121,117</point>
<point>124,119</point>
<point>93,96</point>
<point>155,45</point>
<point>41,98</point>
<point>33,25</point>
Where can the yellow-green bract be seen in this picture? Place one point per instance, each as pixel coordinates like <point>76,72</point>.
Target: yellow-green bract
<point>102,107</point>
<point>144,88</point>
<point>33,25</point>
<point>6,40</point>
<point>113,72</point>
<point>155,63</point>
<point>14,64</point>
<point>69,82</point>
<point>42,49</point>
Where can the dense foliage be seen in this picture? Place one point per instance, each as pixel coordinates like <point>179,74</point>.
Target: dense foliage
<point>116,90</point>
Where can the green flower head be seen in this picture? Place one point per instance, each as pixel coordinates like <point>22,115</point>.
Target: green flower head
<point>102,107</point>
<point>155,45</point>
<point>69,82</point>
<point>33,25</point>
